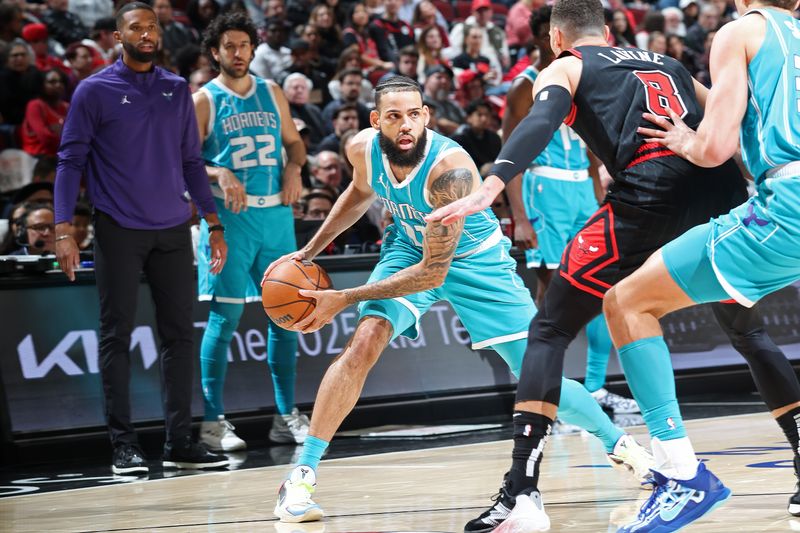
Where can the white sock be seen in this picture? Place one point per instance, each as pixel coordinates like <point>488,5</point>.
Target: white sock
<point>675,458</point>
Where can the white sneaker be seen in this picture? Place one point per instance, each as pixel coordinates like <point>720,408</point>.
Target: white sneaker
<point>616,403</point>
<point>527,516</point>
<point>294,497</point>
<point>219,436</point>
<point>631,456</point>
<point>289,429</point>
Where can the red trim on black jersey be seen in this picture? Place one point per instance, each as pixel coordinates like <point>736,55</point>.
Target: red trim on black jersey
<point>590,251</point>
<point>651,155</point>
<point>571,52</point>
<point>573,112</point>
<point>648,151</point>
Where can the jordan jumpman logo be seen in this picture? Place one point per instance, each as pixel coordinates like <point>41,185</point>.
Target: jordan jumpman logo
<point>752,217</point>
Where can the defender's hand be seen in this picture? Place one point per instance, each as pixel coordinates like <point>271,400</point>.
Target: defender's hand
<point>675,135</point>
<point>471,203</point>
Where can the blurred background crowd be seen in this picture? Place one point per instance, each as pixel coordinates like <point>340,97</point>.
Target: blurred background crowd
<point>327,55</point>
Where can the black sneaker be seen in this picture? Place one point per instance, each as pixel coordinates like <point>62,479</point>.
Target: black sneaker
<point>794,501</point>
<point>497,513</point>
<point>191,455</point>
<point>128,459</point>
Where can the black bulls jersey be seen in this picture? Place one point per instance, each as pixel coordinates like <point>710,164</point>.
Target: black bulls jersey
<point>617,86</point>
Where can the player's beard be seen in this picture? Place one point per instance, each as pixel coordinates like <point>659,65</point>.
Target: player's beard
<point>403,158</point>
<point>231,72</point>
<point>138,55</point>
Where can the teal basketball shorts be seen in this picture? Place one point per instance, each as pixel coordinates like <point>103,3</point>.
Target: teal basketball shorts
<point>745,254</point>
<point>483,288</point>
<point>255,238</point>
<point>558,203</point>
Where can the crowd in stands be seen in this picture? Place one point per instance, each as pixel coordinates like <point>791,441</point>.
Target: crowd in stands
<point>325,54</point>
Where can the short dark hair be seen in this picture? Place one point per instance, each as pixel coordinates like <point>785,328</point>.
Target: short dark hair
<point>133,6</point>
<point>44,167</point>
<point>350,72</point>
<point>235,20</point>
<point>342,108</point>
<point>539,17</point>
<point>577,18</point>
<point>408,50</point>
<point>396,84</point>
<point>475,105</point>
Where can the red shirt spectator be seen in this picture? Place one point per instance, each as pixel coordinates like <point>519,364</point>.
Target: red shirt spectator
<point>44,117</point>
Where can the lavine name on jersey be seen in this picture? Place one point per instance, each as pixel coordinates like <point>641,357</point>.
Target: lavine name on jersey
<point>621,55</point>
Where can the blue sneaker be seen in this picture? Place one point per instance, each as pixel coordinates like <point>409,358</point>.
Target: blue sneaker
<point>675,503</point>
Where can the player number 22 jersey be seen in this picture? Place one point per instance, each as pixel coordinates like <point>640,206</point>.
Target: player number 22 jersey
<point>244,135</point>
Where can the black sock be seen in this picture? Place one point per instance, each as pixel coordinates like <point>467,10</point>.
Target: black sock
<point>789,423</point>
<point>530,435</point>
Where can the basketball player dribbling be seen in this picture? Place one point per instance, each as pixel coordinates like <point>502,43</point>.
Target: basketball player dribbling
<point>414,170</point>
<point>602,92</point>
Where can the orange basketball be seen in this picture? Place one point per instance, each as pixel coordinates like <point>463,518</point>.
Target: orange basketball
<point>279,294</point>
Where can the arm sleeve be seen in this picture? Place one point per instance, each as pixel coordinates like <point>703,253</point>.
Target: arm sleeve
<point>79,132</point>
<point>194,168</point>
<point>533,133</point>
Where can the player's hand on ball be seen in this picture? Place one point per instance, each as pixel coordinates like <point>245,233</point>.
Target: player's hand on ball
<point>328,304</point>
<point>292,184</point>
<point>232,188</point>
<point>524,235</point>
<point>299,255</point>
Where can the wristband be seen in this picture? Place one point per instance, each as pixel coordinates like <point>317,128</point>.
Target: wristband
<point>216,227</point>
<point>62,237</point>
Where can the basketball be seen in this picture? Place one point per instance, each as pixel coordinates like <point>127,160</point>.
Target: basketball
<point>279,293</point>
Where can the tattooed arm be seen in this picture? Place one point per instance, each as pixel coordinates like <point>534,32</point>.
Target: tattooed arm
<point>438,249</point>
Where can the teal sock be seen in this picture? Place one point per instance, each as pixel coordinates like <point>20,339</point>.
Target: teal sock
<point>597,353</point>
<point>576,405</point>
<point>222,322</point>
<point>579,408</point>
<point>313,449</point>
<point>282,356</point>
<point>648,368</point>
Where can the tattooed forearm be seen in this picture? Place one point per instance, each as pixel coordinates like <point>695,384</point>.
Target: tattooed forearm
<point>438,247</point>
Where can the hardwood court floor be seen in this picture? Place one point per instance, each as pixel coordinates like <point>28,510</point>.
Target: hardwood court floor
<point>430,490</point>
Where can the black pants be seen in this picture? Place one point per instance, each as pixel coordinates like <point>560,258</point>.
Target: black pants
<point>165,256</point>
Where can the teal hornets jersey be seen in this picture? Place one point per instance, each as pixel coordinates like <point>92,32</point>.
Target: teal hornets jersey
<point>566,150</point>
<point>244,135</point>
<point>770,133</point>
<point>408,200</point>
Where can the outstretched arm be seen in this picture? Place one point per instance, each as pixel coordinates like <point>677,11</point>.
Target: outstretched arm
<point>438,248</point>
<point>554,89</point>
